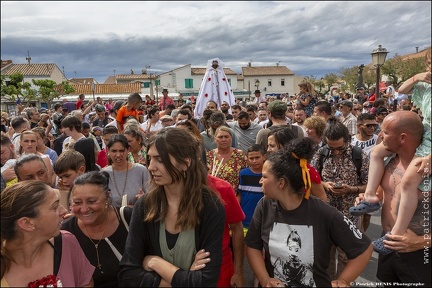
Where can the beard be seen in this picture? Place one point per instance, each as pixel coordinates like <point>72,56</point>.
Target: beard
<point>224,110</point>
<point>245,127</point>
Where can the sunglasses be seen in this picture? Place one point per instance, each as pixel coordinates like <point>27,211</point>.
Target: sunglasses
<point>371,126</point>
<point>356,109</point>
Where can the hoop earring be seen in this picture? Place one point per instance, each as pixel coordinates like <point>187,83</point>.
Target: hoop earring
<point>106,205</point>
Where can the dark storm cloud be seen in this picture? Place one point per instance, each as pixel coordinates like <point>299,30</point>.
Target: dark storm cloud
<point>310,38</point>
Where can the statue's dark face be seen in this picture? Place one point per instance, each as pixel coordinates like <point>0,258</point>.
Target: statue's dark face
<point>215,64</point>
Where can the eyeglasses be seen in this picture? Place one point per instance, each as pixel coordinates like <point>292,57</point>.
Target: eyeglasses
<point>356,109</point>
<point>370,126</point>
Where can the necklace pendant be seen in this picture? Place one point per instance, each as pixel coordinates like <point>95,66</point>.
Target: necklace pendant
<point>96,245</point>
<point>99,266</point>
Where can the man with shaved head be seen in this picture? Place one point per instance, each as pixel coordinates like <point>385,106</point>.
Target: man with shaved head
<point>401,133</point>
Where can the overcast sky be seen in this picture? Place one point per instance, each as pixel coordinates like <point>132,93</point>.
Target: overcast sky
<point>92,39</point>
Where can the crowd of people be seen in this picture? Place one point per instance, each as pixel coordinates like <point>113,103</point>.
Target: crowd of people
<point>145,194</point>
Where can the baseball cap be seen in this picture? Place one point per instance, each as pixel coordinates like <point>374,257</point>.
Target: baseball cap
<point>347,103</point>
<point>278,108</point>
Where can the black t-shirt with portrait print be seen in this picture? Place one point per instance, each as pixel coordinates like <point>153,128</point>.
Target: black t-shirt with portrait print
<point>297,242</point>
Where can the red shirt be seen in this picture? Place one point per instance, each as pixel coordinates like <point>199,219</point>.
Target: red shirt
<point>78,104</point>
<point>234,214</point>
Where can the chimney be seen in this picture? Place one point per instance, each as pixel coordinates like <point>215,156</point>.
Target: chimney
<point>249,64</point>
<point>416,49</point>
<point>28,58</point>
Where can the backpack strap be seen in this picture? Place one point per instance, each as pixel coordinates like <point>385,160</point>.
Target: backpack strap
<point>57,252</point>
<point>323,156</point>
<point>122,215</point>
<point>357,159</point>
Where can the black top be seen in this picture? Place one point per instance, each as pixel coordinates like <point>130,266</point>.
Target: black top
<point>107,276</point>
<point>143,240</point>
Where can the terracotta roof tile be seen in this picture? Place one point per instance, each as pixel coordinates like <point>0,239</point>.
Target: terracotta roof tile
<point>107,88</point>
<point>82,80</point>
<point>5,63</point>
<point>132,76</point>
<point>420,54</point>
<point>201,71</point>
<point>110,80</point>
<point>266,71</point>
<point>30,70</point>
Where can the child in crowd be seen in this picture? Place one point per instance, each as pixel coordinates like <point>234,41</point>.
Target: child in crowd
<point>417,173</point>
<point>130,109</point>
<point>249,191</point>
<point>107,132</point>
<point>69,165</point>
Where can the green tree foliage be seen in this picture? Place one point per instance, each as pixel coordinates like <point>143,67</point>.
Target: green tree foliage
<point>49,90</point>
<point>400,70</point>
<point>17,88</point>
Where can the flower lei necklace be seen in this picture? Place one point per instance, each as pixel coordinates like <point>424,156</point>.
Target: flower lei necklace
<point>48,281</point>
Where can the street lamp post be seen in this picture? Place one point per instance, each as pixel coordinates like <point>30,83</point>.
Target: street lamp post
<point>378,59</point>
<point>257,83</point>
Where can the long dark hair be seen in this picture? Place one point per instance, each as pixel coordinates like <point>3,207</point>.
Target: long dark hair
<point>87,148</point>
<point>186,150</point>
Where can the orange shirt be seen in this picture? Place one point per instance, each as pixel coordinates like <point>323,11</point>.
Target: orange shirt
<point>123,113</point>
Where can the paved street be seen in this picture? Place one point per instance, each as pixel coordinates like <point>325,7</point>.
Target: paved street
<point>369,274</point>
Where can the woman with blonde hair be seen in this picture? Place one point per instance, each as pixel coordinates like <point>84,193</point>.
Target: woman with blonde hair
<point>315,126</point>
<point>28,145</point>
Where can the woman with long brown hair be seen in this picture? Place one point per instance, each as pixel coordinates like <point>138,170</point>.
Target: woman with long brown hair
<point>176,219</point>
